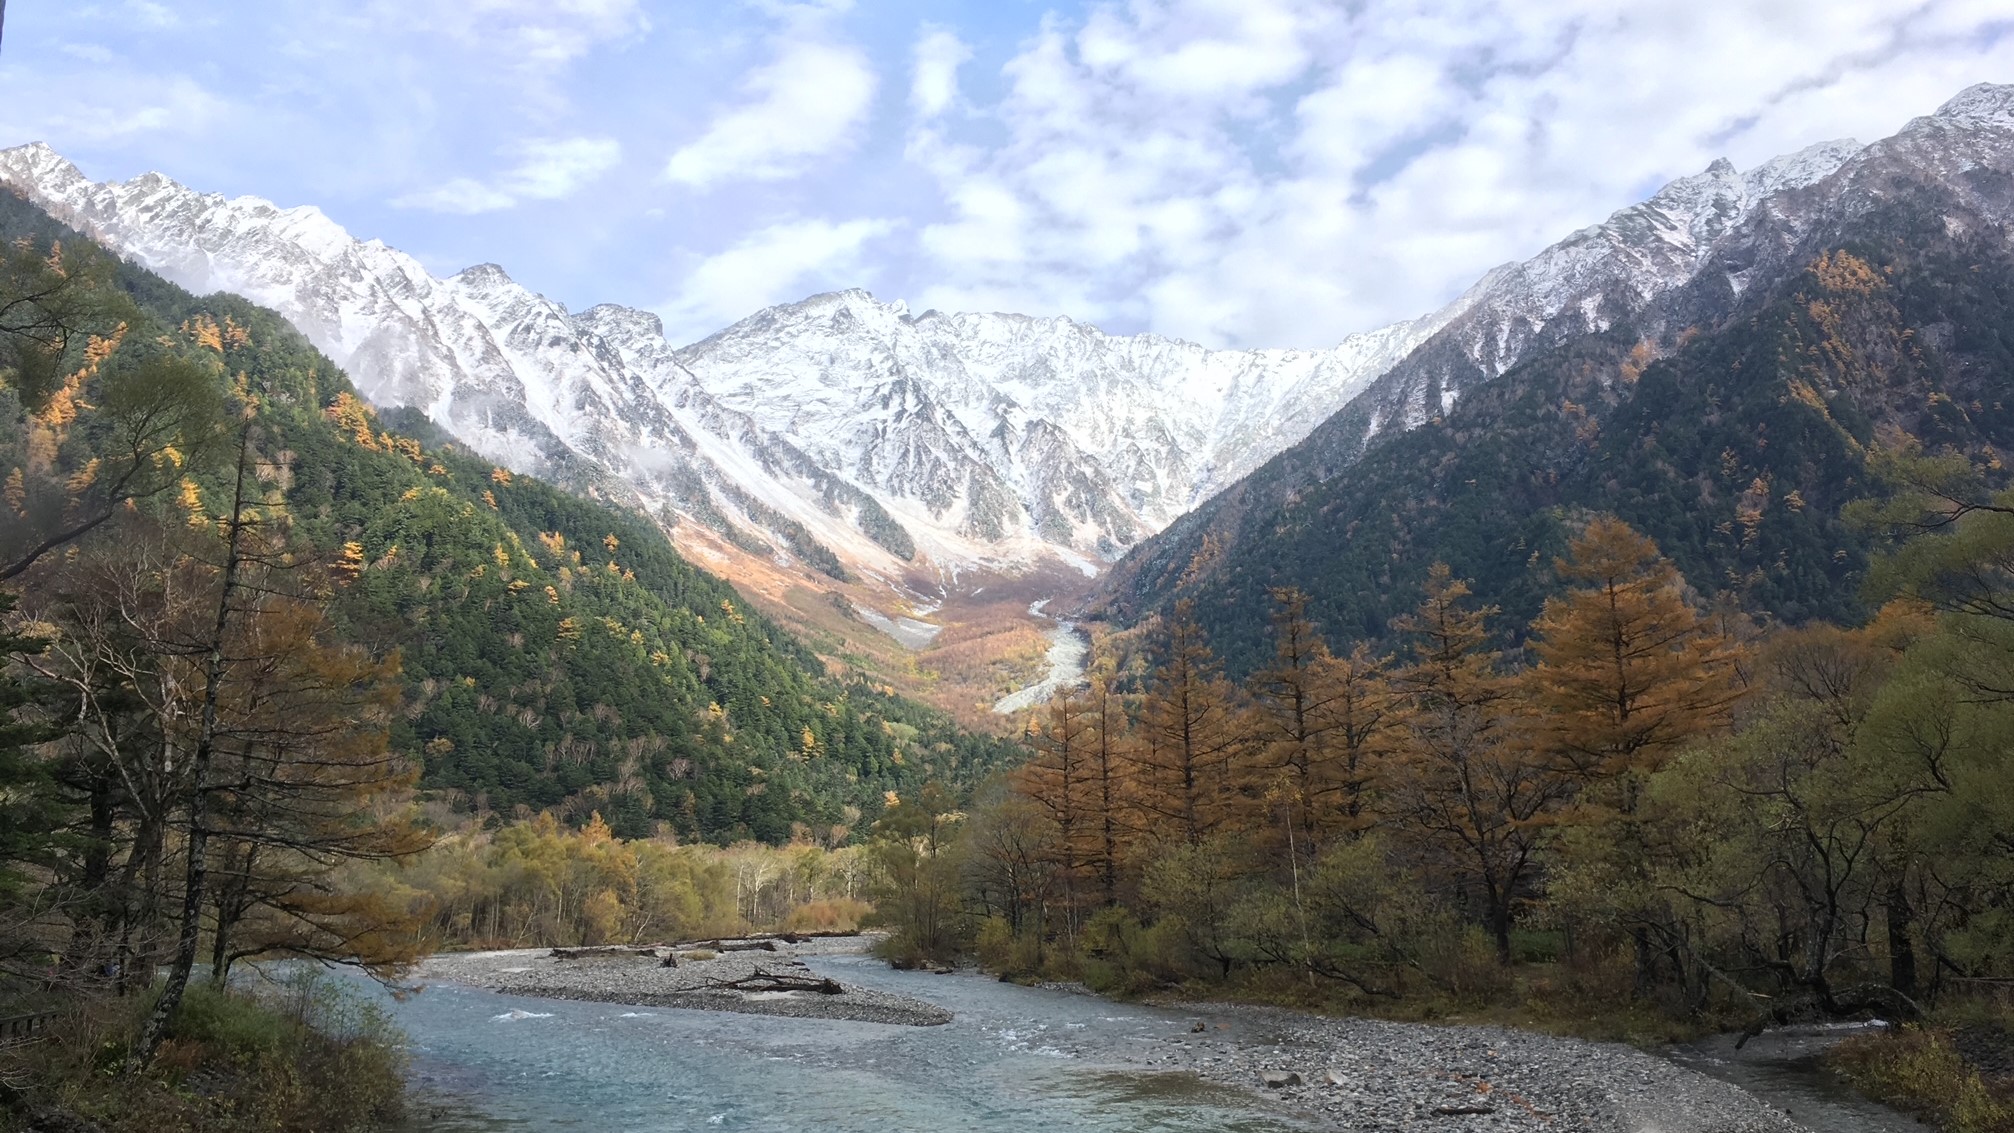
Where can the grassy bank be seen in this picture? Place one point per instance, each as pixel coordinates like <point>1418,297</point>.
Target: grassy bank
<point>1956,1071</point>
<point>306,1056</point>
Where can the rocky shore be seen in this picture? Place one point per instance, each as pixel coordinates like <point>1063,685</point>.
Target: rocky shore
<point>699,978</point>
<point>1366,1074</point>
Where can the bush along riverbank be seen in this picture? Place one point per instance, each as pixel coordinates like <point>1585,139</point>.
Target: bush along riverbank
<point>1956,1072</point>
<point>305,1055</point>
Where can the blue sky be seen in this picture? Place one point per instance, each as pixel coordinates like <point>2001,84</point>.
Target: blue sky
<point>1235,172</point>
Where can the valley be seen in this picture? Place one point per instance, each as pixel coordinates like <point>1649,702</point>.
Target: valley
<point>1620,651</point>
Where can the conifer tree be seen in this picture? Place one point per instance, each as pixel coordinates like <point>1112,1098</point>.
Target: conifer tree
<point>1463,786</point>
<point>1627,670</point>
<point>1320,726</point>
<point>1189,741</point>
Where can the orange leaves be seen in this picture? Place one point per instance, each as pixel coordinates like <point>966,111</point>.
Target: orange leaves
<point>356,419</point>
<point>204,331</point>
<point>1844,273</point>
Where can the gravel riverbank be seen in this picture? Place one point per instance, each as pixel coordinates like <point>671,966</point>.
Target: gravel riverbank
<point>639,977</point>
<point>1368,1074</point>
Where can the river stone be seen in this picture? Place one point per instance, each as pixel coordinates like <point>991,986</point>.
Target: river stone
<point>1336,1078</point>
<point>1279,1079</point>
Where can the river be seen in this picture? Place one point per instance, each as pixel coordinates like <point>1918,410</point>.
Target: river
<point>1065,659</point>
<point>486,1062</point>
<point>1014,1060</point>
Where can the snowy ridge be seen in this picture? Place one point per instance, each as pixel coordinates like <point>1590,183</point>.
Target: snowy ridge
<point>882,437</point>
<point>849,428</point>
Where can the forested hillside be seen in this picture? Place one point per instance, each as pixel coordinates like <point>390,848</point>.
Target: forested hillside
<point>1737,442</point>
<point>554,652</point>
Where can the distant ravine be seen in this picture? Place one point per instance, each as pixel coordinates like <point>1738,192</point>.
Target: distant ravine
<point>1068,650</point>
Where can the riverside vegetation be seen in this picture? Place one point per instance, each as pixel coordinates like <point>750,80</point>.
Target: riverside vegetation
<point>1646,818</point>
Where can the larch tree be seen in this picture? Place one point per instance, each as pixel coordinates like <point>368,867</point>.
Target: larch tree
<point>1189,740</point>
<point>1060,780</point>
<point>1463,785</point>
<point>1627,670</point>
<point>1627,674</point>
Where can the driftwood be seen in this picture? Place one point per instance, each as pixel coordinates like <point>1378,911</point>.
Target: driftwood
<point>594,951</point>
<point>745,943</point>
<point>760,980</point>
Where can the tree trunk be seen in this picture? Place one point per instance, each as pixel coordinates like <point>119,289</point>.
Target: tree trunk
<point>1901,949</point>
<point>198,848</point>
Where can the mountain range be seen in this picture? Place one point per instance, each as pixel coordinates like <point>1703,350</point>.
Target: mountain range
<point>852,444</point>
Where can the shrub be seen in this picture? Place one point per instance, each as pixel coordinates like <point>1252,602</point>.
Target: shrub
<point>1920,1070</point>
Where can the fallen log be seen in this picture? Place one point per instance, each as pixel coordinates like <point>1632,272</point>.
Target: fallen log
<point>760,980</point>
<point>591,951</point>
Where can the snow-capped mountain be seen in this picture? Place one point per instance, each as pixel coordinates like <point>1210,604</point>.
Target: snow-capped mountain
<point>855,436</point>
<point>1674,264</point>
<point>836,427</point>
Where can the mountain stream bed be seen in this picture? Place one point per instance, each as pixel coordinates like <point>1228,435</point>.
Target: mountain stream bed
<point>1035,1059</point>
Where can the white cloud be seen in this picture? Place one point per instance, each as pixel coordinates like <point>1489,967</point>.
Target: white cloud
<point>1284,172</point>
<point>939,54</point>
<point>547,169</point>
<point>809,102</point>
<point>776,264</point>
<point>460,195</point>
<point>532,34</point>
<point>556,168</point>
<point>89,52</point>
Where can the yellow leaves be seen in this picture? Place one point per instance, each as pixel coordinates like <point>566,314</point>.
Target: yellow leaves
<point>490,499</point>
<point>890,799</point>
<point>733,615</point>
<point>500,476</point>
<point>552,597</point>
<point>355,418</point>
<point>350,563</point>
<point>569,629</point>
<point>1794,501</point>
<point>441,470</point>
<point>502,558</point>
<point>204,331</point>
<point>1802,392</point>
<point>610,542</point>
<point>1844,273</point>
<point>614,570</point>
<point>409,495</point>
<point>16,492</point>
<point>715,711</point>
<point>519,586</point>
<point>660,658</point>
<point>1639,357</point>
<point>192,502</point>
<point>553,542</point>
<point>83,478</point>
<point>235,336</point>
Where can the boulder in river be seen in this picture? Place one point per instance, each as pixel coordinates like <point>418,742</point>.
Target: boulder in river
<point>1279,1079</point>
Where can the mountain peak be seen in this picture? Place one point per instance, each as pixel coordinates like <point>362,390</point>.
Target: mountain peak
<point>1981,104</point>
